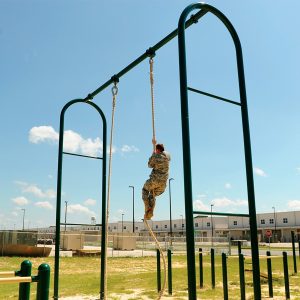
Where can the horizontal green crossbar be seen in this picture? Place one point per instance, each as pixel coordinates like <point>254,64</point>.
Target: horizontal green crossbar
<point>74,154</point>
<point>214,96</point>
<point>148,53</point>
<point>219,214</point>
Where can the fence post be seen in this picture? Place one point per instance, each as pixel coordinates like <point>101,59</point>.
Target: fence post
<point>158,270</point>
<point>201,267</point>
<point>294,252</point>
<point>170,271</point>
<point>286,276</point>
<point>212,262</point>
<point>224,271</point>
<point>42,291</point>
<point>239,247</point>
<point>242,277</point>
<point>24,288</point>
<point>270,280</point>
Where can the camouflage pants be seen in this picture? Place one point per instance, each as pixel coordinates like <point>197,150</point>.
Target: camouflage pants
<point>152,189</point>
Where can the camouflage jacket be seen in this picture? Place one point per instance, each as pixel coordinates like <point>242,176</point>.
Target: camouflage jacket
<point>159,162</point>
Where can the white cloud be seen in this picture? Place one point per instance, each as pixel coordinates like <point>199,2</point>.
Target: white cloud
<point>14,213</point>
<point>20,201</point>
<point>73,142</point>
<point>199,205</point>
<point>42,134</point>
<point>228,185</point>
<point>78,208</point>
<point>127,148</point>
<point>36,191</point>
<point>294,204</point>
<point>259,172</point>
<point>223,202</point>
<point>44,204</point>
<point>90,202</point>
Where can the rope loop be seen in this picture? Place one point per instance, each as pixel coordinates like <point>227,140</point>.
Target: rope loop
<point>114,90</point>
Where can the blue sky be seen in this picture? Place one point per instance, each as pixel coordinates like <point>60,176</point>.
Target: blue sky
<point>55,51</point>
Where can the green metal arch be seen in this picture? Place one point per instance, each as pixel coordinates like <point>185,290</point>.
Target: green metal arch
<point>187,153</point>
<point>59,184</point>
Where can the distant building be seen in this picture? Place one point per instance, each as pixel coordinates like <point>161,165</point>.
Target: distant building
<point>280,224</point>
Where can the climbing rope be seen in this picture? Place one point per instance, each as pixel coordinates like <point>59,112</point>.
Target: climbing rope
<point>161,292</point>
<point>151,62</point>
<point>114,91</point>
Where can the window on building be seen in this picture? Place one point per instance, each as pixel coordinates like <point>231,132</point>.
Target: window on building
<point>124,227</point>
<point>196,224</point>
<point>285,220</point>
<point>235,223</point>
<point>108,227</point>
<point>156,226</point>
<point>208,224</point>
<point>166,226</point>
<point>262,221</point>
<point>182,225</point>
<point>175,225</point>
<point>271,221</point>
<point>136,228</point>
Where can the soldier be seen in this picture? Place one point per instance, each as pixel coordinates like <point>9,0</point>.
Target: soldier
<point>156,184</point>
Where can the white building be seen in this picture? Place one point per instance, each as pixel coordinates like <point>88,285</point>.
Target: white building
<point>280,224</point>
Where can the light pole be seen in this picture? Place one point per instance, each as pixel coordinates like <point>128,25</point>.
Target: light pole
<point>122,223</point>
<point>212,225</point>
<point>274,213</point>
<point>133,227</point>
<point>170,198</point>
<point>66,209</point>
<point>23,217</point>
<point>181,224</point>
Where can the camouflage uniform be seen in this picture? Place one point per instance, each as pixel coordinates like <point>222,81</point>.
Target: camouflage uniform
<point>156,184</point>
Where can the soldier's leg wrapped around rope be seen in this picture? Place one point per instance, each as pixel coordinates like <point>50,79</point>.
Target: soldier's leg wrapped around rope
<point>151,189</point>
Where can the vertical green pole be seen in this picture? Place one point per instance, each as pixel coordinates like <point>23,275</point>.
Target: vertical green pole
<point>43,284</point>
<point>224,271</point>
<point>294,252</point>
<point>270,279</point>
<point>239,247</point>
<point>201,267</point>
<point>24,288</point>
<point>58,202</point>
<point>212,266</point>
<point>286,276</point>
<point>242,277</point>
<point>187,175</point>
<point>170,271</point>
<point>158,270</point>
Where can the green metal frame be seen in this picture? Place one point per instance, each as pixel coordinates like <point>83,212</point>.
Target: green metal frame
<point>180,32</point>
<point>187,153</point>
<point>59,186</point>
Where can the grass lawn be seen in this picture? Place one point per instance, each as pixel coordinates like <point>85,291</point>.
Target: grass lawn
<point>135,277</point>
